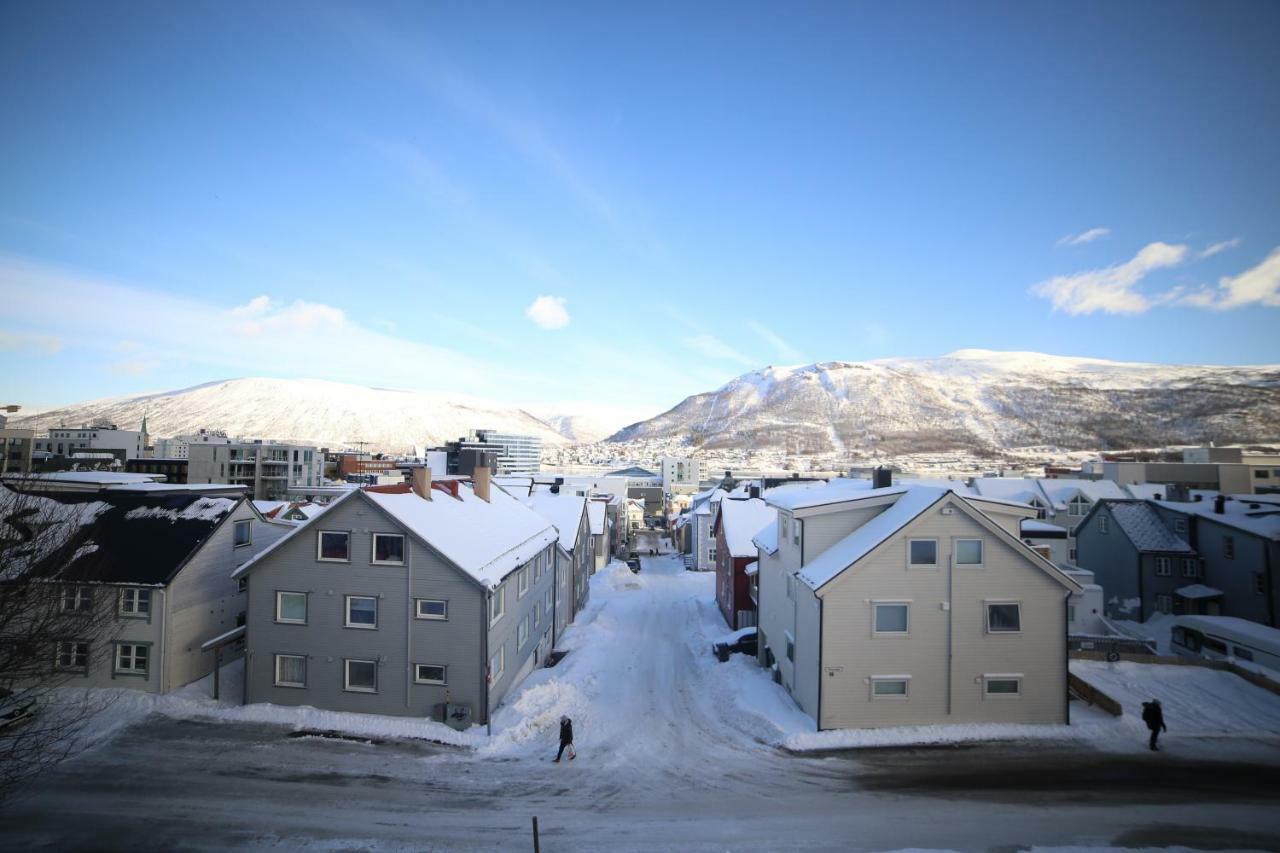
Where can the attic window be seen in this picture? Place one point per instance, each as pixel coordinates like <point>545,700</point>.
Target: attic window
<point>1079,506</point>
<point>334,546</point>
<point>388,548</point>
<point>243,533</point>
<point>923,552</point>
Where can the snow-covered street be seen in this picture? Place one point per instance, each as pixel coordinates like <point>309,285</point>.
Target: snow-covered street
<point>674,753</point>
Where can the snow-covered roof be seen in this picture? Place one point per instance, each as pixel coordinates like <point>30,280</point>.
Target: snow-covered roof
<point>99,477</point>
<point>1264,521</point>
<point>487,539</point>
<point>957,486</point>
<point>1197,590</point>
<point>595,517</point>
<point>1146,491</point>
<point>752,568</point>
<point>1060,492</point>
<point>742,520</point>
<point>861,541</point>
<point>1145,529</point>
<point>1034,528</point>
<point>563,510</point>
<point>837,490</point>
<point>269,508</point>
<point>1254,632</point>
<point>1022,490</point>
<point>767,539</point>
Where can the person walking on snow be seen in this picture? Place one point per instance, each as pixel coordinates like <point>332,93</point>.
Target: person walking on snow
<point>566,739</point>
<point>1153,716</point>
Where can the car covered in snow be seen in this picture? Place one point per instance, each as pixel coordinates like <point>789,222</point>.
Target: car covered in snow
<point>742,641</point>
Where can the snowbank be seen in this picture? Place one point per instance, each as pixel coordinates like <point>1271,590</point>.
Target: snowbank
<point>119,708</point>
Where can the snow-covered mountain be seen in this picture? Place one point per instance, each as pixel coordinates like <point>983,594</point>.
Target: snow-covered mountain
<point>585,423</point>
<point>976,400</point>
<point>331,414</point>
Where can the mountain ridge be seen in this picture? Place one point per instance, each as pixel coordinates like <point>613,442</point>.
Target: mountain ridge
<point>978,400</point>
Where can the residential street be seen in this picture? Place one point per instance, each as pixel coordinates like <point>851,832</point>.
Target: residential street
<point>664,762</point>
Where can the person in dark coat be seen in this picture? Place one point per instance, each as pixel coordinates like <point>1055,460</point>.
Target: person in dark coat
<point>1153,716</point>
<point>566,739</point>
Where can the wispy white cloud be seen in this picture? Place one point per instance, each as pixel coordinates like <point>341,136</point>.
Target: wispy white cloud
<point>1084,237</point>
<point>1223,246</point>
<point>25,342</point>
<point>549,312</point>
<point>1258,285</point>
<point>1111,290</point>
<point>785,351</point>
<point>264,336</point>
<point>712,347</point>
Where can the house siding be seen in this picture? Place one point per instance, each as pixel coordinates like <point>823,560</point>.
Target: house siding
<point>399,640</point>
<point>851,655</point>
<point>1113,559</point>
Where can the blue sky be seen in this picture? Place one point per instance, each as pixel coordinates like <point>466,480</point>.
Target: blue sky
<point>568,202</point>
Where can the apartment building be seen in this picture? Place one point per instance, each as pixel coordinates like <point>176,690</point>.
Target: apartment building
<point>270,469</point>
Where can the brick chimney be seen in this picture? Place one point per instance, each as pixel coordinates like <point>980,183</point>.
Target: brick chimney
<point>422,483</point>
<point>480,483</point>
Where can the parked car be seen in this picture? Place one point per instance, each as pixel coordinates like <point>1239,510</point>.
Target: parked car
<point>634,565</point>
<point>741,642</point>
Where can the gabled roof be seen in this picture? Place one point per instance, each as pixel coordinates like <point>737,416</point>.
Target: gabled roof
<point>562,510</point>
<point>837,490</point>
<point>633,471</point>
<point>1263,521</point>
<point>741,520</point>
<point>909,505</point>
<point>1060,492</point>
<point>767,539</point>
<point>1145,528</point>
<point>1022,490</point>
<point>486,539</point>
<point>111,537</point>
<point>595,517</point>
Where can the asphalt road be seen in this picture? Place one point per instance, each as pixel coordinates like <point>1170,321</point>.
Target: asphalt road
<point>661,767</point>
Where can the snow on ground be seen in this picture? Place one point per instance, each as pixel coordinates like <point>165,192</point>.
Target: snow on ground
<point>1197,701</point>
<point>119,708</point>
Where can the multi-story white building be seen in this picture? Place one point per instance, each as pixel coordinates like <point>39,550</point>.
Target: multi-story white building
<point>179,446</point>
<point>67,441</point>
<point>680,474</point>
<point>268,468</point>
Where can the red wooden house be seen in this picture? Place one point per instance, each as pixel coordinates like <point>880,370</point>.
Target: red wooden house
<point>736,523</point>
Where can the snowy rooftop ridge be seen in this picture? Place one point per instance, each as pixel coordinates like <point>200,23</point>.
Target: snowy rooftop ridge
<point>742,520</point>
<point>562,510</point>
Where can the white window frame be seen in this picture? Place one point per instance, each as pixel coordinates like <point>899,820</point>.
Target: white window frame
<point>73,653</point>
<point>130,599</point>
<point>132,658</point>
<point>988,677</point>
<point>522,632</point>
<point>418,678</point>
<point>876,604</point>
<point>1190,567</point>
<point>495,674</point>
<point>551,599</point>
<point>499,598</point>
<point>1079,502</point>
<point>306,607</point>
<point>373,549</point>
<point>1104,523</point>
<point>986,607</point>
<point>346,612</point>
<point>81,597</point>
<point>982,551</point>
<point>790,646</point>
<point>795,532</point>
<point>936,549</point>
<point>1164,567</point>
<point>522,582</point>
<point>1179,525</point>
<point>278,682</point>
<point>418,614</point>
<point>889,679</point>
<point>320,547</point>
<point>235,532</point>
<point>346,676</point>
<point>1164,603</point>
<point>537,614</point>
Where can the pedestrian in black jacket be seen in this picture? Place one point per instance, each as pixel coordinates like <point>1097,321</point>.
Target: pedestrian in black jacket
<point>1153,716</point>
<point>566,739</point>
